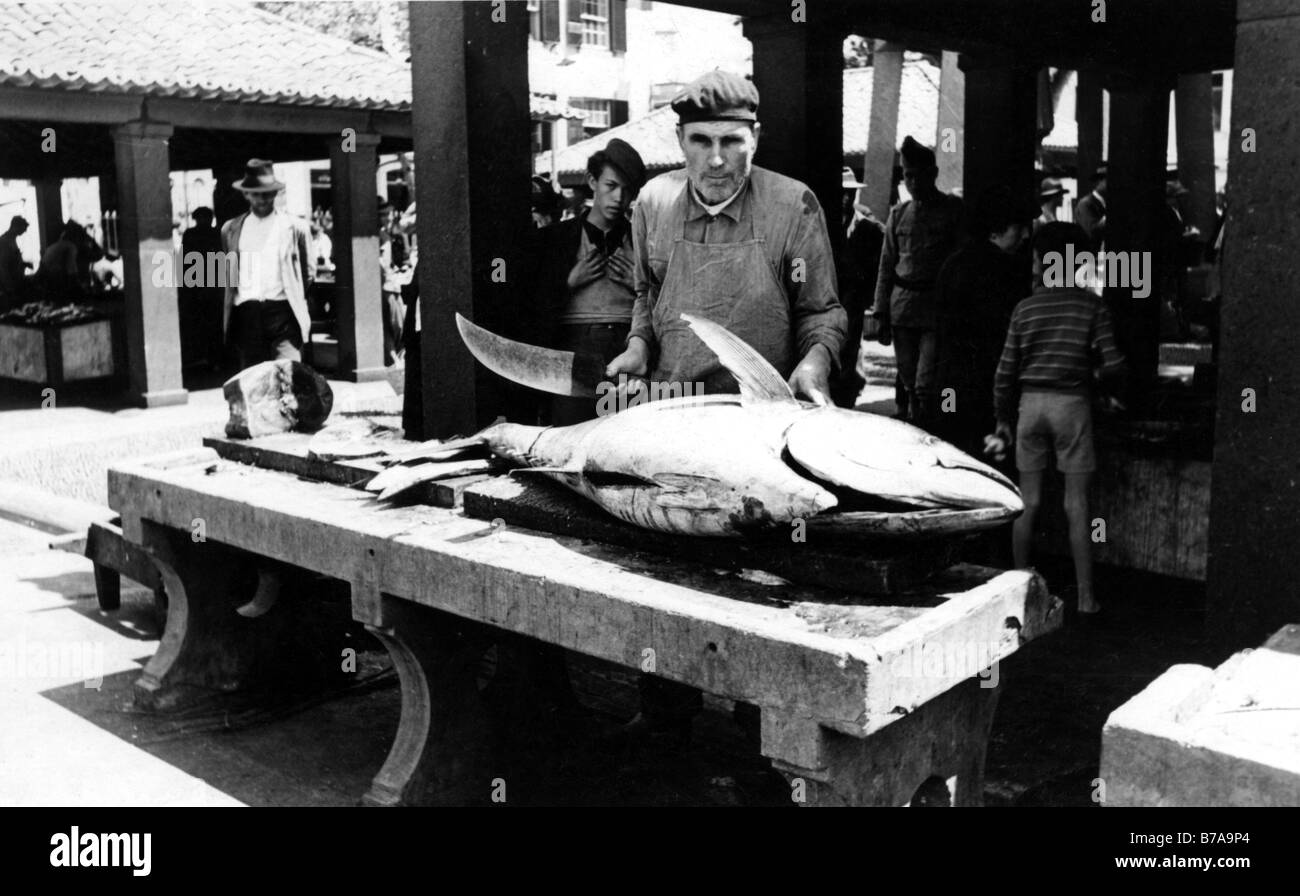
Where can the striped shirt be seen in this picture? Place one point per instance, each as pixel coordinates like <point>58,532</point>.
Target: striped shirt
<point>1056,338</point>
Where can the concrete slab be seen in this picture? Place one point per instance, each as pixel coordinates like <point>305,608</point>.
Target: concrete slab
<point>1200,737</point>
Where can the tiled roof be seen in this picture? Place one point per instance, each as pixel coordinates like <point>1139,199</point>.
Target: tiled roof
<point>545,108</point>
<point>200,49</point>
<point>654,136</point>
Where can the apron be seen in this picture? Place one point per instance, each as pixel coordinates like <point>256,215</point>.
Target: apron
<point>732,284</point>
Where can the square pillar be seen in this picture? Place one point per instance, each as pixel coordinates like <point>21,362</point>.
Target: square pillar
<point>950,122</point>
<point>882,133</point>
<point>1251,579</point>
<point>49,209</point>
<point>799,73</point>
<point>1135,216</point>
<point>1000,140</point>
<point>1088,119</point>
<point>144,204</point>
<point>1194,120</point>
<point>353,163</point>
<point>469,116</point>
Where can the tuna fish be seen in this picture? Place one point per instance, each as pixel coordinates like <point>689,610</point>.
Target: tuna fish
<point>732,465</point>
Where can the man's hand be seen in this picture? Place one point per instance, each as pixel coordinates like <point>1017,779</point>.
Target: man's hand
<point>590,267</point>
<point>811,378</point>
<point>619,270</point>
<point>634,361</point>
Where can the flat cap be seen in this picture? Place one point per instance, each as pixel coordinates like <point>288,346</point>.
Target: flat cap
<point>627,160</point>
<point>717,96</point>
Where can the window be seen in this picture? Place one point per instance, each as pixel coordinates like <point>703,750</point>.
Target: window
<point>599,118</point>
<point>595,23</point>
<point>535,19</point>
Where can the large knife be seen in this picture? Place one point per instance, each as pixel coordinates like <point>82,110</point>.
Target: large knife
<point>560,373</point>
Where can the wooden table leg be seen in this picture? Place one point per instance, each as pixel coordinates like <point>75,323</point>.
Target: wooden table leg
<point>443,740</point>
<point>207,649</point>
<point>937,749</point>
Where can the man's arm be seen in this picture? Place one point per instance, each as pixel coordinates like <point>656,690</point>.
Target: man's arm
<point>1005,380</point>
<point>809,273</point>
<point>641,277</point>
<point>1111,368</point>
<point>885,275</point>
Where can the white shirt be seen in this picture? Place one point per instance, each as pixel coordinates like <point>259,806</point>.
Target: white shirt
<point>259,258</point>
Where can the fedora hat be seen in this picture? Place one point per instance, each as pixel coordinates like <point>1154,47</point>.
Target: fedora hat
<point>849,180</point>
<point>1051,186</point>
<point>259,177</point>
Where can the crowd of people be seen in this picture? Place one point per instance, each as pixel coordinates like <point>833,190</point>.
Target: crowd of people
<point>72,268</point>
<point>987,356</point>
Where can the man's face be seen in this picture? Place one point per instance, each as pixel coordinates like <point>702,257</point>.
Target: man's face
<point>261,204</point>
<point>719,156</point>
<point>919,181</point>
<point>1011,239</point>
<point>611,193</point>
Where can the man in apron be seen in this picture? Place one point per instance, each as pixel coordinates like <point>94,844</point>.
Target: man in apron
<point>739,245</point>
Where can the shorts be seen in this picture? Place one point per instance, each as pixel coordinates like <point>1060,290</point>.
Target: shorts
<point>1055,422</point>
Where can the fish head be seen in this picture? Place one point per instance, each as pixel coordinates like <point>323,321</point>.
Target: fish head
<point>888,458</point>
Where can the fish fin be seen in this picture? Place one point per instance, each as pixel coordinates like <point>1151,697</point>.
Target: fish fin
<point>759,380</point>
<point>438,449</point>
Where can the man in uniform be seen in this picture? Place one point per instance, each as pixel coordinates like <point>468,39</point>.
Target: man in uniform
<point>920,234</point>
<point>739,245</point>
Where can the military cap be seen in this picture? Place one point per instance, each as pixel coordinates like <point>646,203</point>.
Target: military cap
<point>917,155</point>
<point>717,96</point>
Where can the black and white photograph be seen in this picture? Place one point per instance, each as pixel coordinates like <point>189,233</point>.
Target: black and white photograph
<point>620,403</point>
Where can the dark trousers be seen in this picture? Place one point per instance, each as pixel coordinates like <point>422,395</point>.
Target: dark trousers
<point>604,341</point>
<point>265,331</point>
<point>915,350</point>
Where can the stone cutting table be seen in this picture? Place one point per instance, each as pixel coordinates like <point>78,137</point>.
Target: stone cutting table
<point>862,700</point>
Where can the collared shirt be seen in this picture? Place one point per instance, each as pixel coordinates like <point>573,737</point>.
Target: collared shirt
<point>259,258</point>
<point>1056,338</point>
<point>919,237</point>
<point>797,246</point>
<point>619,236</point>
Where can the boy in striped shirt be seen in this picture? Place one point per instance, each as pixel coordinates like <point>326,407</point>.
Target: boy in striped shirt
<point>1059,340</point>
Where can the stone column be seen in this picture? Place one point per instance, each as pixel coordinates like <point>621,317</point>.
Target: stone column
<point>1001,134</point>
<point>799,73</point>
<point>1088,118</point>
<point>1135,216</point>
<point>950,126</point>
<point>356,257</point>
<point>144,207</point>
<point>1194,117</point>
<point>882,135</point>
<point>1254,527</point>
<point>469,65</point>
<point>49,208</point>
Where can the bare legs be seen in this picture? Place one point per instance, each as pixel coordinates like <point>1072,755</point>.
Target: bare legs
<point>1076,515</point>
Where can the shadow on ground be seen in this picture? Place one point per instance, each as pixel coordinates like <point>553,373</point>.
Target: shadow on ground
<point>323,748</point>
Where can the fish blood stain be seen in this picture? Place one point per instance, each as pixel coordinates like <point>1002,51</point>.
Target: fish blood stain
<point>753,515</point>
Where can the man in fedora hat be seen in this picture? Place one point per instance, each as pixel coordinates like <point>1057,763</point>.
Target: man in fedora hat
<point>265,314</point>
<point>584,284</point>
<point>1090,213</point>
<point>1051,194</point>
